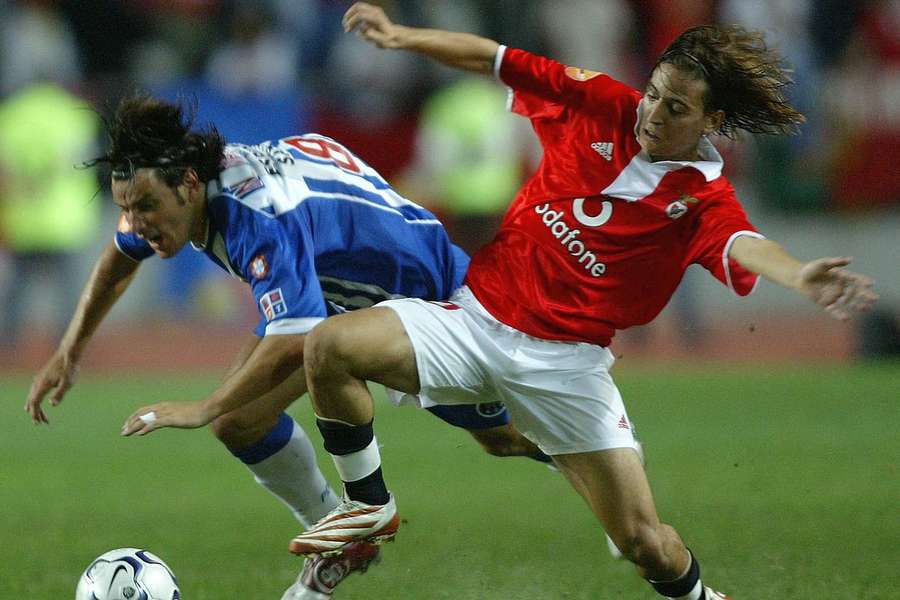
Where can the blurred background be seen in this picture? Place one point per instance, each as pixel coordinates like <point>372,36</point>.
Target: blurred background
<point>264,69</point>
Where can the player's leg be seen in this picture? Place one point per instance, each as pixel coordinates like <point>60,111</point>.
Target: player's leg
<point>615,487</point>
<point>488,423</point>
<point>277,450</point>
<point>392,344</point>
<point>282,459</point>
<point>340,355</point>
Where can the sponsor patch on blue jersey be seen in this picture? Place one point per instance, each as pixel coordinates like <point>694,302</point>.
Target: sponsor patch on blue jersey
<point>272,304</point>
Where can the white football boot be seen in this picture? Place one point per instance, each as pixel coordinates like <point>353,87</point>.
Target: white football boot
<point>350,521</point>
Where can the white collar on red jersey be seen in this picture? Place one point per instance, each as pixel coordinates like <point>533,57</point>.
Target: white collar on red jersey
<point>641,176</point>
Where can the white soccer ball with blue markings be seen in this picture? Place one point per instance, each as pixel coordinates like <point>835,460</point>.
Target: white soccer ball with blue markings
<point>128,574</point>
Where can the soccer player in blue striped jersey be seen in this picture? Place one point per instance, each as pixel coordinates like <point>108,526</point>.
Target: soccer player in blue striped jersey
<point>314,231</point>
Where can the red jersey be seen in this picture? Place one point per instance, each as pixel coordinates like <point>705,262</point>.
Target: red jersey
<point>599,238</point>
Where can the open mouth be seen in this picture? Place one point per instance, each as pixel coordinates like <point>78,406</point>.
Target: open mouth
<point>652,137</point>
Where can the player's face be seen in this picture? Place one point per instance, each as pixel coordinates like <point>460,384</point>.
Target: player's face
<point>672,117</point>
<point>162,215</point>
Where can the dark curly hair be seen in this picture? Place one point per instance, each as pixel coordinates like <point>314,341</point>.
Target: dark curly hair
<point>146,132</point>
<point>746,78</point>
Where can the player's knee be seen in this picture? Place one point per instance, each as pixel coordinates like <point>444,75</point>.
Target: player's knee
<point>237,431</point>
<point>324,349</point>
<point>642,545</point>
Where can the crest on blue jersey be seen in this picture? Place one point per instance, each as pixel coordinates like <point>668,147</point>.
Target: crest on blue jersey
<point>259,267</point>
<point>272,304</point>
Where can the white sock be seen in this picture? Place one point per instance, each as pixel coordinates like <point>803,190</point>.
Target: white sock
<point>292,475</point>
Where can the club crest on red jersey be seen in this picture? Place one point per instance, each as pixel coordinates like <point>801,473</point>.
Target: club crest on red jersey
<point>579,74</point>
<point>259,267</point>
<point>678,208</point>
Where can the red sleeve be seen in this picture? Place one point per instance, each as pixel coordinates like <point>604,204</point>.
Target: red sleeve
<point>542,87</point>
<point>720,223</point>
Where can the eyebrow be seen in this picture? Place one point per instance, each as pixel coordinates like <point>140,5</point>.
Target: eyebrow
<point>674,97</point>
<point>142,198</point>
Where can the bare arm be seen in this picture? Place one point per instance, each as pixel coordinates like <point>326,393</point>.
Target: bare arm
<point>111,276</point>
<point>824,280</point>
<point>275,366</point>
<point>460,50</point>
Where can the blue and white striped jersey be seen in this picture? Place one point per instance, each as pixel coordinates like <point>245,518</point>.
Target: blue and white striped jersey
<point>315,231</point>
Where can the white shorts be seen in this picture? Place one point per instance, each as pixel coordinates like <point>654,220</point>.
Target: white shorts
<point>559,394</point>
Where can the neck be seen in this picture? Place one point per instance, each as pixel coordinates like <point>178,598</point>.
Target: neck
<point>201,219</point>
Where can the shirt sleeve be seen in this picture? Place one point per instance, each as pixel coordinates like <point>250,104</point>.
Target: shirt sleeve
<point>280,269</point>
<point>542,87</point>
<point>722,222</point>
<point>129,243</point>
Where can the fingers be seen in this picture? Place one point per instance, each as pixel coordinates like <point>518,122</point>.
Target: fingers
<point>141,422</point>
<point>36,394</point>
<point>359,14</point>
<point>856,295</point>
<point>62,387</point>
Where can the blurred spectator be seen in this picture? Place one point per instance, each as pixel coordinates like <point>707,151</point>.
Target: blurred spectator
<point>469,159</point>
<point>255,59</point>
<point>661,21</point>
<point>36,43</point>
<point>47,214</point>
<point>878,335</point>
<point>594,34</point>
<point>862,100</point>
<point>792,164</point>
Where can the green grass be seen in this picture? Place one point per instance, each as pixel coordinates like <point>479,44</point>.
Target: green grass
<point>784,483</point>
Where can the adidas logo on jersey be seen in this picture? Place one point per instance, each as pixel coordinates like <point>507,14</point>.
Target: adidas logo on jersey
<point>604,149</point>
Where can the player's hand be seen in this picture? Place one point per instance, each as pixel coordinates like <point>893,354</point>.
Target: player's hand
<point>183,415</point>
<point>372,25</point>
<point>55,378</point>
<point>838,291</point>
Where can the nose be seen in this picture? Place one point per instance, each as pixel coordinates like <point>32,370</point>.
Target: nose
<point>137,224</point>
<point>656,114</point>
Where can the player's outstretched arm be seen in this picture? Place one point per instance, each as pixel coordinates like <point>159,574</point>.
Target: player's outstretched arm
<point>110,277</point>
<point>460,50</point>
<point>274,367</point>
<point>824,281</point>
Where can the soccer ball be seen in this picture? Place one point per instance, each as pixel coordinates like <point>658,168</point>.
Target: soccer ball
<point>128,574</point>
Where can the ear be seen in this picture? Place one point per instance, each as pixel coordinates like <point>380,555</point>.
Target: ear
<point>190,179</point>
<point>714,121</point>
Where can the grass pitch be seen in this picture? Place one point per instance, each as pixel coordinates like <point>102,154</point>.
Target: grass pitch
<point>783,482</point>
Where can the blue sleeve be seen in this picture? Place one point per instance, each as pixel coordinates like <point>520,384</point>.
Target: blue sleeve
<point>278,262</point>
<point>132,246</point>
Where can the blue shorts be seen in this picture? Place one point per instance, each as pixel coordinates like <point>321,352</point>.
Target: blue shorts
<point>472,416</point>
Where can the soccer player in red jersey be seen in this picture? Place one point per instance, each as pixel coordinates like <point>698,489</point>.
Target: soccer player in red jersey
<point>630,193</point>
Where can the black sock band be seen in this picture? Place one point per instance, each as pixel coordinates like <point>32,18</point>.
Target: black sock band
<point>370,489</point>
<point>681,586</point>
<point>341,438</point>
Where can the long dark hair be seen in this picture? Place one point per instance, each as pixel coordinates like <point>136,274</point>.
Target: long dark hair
<point>146,132</point>
<point>746,78</point>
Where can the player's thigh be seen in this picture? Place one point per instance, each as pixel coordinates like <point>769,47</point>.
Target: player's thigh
<point>562,397</point>
<point>614,485</point>
<point>370,344</point>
